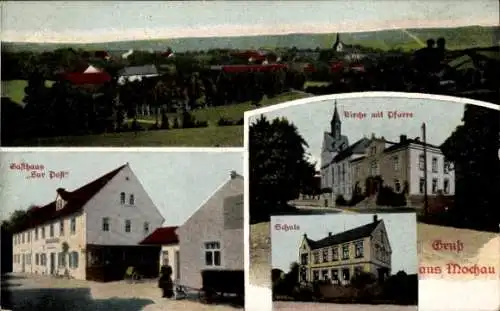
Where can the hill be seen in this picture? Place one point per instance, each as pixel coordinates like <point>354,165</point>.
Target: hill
<point>407,39</point>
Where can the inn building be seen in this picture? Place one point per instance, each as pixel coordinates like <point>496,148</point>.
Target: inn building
<point>92,232</point>
<point>338,257</point>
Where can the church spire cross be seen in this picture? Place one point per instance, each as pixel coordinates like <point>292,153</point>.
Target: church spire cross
<point>335,123</point>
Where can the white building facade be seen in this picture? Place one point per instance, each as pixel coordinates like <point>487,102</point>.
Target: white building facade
<point>113,210</point>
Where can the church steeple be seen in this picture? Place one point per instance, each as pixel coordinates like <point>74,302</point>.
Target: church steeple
<point>335,123</point>
<point>338,46</point>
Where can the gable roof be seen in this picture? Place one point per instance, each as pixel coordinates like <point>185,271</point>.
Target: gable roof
<point>408,142</point>
<point>357,147</point>
<point>346,236</point>
<point>162,236</point>
<point>139,70</point>
<point>75,201</point>
<point>87,78</point>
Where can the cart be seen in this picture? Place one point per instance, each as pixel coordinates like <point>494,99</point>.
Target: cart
<point>218,283</point>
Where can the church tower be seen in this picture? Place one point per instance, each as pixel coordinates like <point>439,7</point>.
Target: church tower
<point>338,46</point>
<point>335,124</point>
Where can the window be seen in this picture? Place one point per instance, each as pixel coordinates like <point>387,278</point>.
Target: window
<point>122,198</point>
<point>346,275</point>
<point>397,185</point>
<point>146,227</point>
<point>343,172</point>
<point>374,168</point>
<point>73,260</point>
<point>43,259</point>
<point>324,275</point>
<point>446,186</point>
<point>36,234</point>
<point>335,275</point>
<point>421,185</point>
<point>335,253</point>
<point>304,259</point>
<point>421,162</point>
<point>73,225</point>
<point>316,257</point>
<point>43,232</point>
<point>325,255</point>
<point>212,254</point>
<point>128,226</point>
<point>105,224</point>
<point>131,200</point>
<point>316,275</point>
<point>373,150</point>
<point>29,236</point>
<point>333,174</point>
<point>51,230</point>
<point>37,259</point>
<point>59,204</point>
<point>61,228</point>
<point>434,185</point>
<point>164,256</point>
<point>357,171</point>
<point>358,270</point>
<point>22,238</point>
<point>61,260</point>
<point>446,167</point>
<point>345,251</point>
<point>359,252</point>
<point>434,164</point>
<point>395,163</point>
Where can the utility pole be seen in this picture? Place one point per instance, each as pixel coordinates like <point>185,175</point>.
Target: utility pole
<point>426,199</point>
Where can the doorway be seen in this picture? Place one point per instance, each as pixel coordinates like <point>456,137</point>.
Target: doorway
<point>23,267</point>
<point>52,263</point>
<point>177,265</point>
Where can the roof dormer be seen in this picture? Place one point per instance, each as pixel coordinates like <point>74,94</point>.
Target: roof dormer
<point>60,202</point>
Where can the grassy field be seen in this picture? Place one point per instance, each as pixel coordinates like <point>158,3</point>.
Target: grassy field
<point>15,89</point>
<point>212,136</point>
<point>232,112</point>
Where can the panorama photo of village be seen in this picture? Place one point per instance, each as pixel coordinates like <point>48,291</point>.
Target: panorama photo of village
<point>113,234</point>
<point>81,84</point>
<point>376,154</point>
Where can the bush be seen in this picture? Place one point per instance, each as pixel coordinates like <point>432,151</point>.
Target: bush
<point>240,121</point>
<point>362,280</point>
<point>387,197</point>
<point>176,124</point>
<point>165,123</point>
<point>224,122</point>
<point>199,124</point>
<point>340,200</point>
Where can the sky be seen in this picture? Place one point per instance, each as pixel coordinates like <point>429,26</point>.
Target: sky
<point>401,230</point>
<point>100,21</point>
<point>177,182</point>
<point>441,119</point>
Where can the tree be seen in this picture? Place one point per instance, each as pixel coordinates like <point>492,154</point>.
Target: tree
<point>473,148</point>
<point>278,166</point>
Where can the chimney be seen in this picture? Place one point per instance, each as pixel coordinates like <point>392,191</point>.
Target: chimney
<point>373,135</point>
<point>329,234</point>
<point>402,138</point>
<point>305,235</point>
<point>61,190</point>
<point>375,218</point>
<point>233,174</point>
<point>417,139</point>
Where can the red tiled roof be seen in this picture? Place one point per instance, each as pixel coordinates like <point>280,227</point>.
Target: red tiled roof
<point>249,68</point>
<point>162,236</point>
<point>87,78</point>
<point>75,200</point>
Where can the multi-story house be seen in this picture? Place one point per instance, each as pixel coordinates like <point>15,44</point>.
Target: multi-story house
<point>93,230</point>
<point>338,257</point>
<point>401,165</point>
